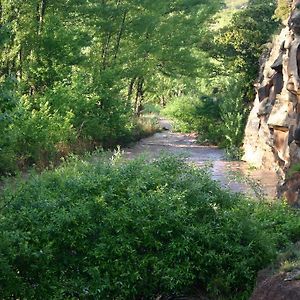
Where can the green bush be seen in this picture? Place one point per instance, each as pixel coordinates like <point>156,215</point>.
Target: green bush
<point>134,230</point>
<point>233,115</point>
<point>283,10</point>
<point>40,132</point>
<point>144,126</point>
<point>99,112</point>
<point>32,134</point>
<point>182,110</point>
<point>151,108</point>
<point>8,102</point>
<point>8,155</point>
<point>196,115</point>
<point>76,115</point>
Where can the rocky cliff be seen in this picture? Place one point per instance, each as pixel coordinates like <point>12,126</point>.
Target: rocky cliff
<point>272,136</point>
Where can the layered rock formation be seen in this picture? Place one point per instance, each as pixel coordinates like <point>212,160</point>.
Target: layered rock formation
<point>272,136</point>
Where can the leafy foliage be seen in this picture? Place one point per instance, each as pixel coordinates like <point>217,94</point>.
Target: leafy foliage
<point>132,230</point>
<point>83,74</point>
<point>90,65</point>
<point>233,115</point>
<point>183,111</point>
<point>234,52</point>
<point>196,115</point>
<point>97,65</point>
<point>219,119</point>
<point>241,43</point>
<point>283,9</point>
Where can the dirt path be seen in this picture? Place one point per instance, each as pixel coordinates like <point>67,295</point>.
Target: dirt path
<point>235,175</point>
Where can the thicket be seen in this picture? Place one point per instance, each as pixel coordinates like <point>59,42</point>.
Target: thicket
<point>110,229</point>
<point>201,115</point>
<point>75,75</point>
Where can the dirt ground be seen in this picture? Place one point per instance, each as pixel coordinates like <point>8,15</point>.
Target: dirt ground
<point>236,175</point>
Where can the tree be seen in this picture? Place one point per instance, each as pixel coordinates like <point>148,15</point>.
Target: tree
<point>97,60</point>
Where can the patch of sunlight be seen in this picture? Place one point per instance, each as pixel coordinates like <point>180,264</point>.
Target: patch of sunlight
<point>223,17</point>
<point>235,4</point>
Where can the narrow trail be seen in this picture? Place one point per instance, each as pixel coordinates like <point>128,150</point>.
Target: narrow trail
<point>236,175</point>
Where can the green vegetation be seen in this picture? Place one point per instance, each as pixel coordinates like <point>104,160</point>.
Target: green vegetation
<point>80,75</point>
<point>224,92</point>
<point>294,169</point>
<point>93,68</point>
<point>131,230</point>
<point>75,75</point>
<point>289,260</point>
<point>196,115</point>
<point>241,43</point>
<point>223,18</point>
<point>283,9</point>
<point>236,4</point>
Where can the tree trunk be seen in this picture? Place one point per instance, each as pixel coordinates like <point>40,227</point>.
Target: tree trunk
<point>130,88</point>
<point>139,96</point>
<point>107,40</point>
<point>41,15</point>
<point>105,51</point>
<point>121,31</point>
<point>1,12</point>
<point>20,75</point>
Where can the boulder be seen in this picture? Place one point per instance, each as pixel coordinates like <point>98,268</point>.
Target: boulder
<point>279,116</point>
<point>277,287</point>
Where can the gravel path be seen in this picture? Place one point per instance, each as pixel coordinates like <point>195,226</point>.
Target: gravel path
<point>232,174</point>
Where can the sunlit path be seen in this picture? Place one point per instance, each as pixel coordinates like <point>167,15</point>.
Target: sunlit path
<point>238,176</point>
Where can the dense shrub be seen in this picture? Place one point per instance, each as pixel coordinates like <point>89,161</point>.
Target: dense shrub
<point>8,102</point>
<point>134,230</point>
<point>218,118</point>
<point>7,143</point>
<point>41,132</point>
<point>196,115</point>
<point>75,116</point>
<point>182,111</point>
<point>233,114</point>
<point>283,9</point>
<point>99,112</point>
<point>32,134</point>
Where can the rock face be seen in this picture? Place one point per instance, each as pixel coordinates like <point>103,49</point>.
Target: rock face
<point>280,281</point>
<point>277,287</point>
<point>272,136</point>
<point>291,190</point>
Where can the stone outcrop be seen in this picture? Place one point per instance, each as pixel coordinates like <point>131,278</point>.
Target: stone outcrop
<point>280,281</point>
<point>272,136</point>
<point>277,287</point>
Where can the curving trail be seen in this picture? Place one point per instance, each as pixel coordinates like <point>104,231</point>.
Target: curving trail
<point>235,175</point>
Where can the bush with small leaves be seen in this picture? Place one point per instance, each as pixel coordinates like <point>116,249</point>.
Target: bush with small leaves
<point>134,230</point>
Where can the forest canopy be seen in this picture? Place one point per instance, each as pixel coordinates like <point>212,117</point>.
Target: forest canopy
<point>74,74</point>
